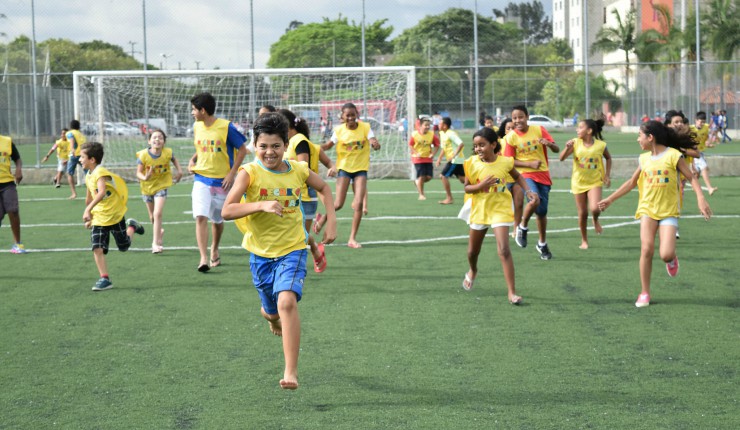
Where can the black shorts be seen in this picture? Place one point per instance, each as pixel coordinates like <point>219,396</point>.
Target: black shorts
<point>453,169</point>
<point>100,237</point>
<point>424,169</point>
<point>8,199</point>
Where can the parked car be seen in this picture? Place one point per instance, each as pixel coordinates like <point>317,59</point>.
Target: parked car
<point>544,121</point>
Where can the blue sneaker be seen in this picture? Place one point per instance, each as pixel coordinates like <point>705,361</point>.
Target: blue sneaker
<point>18,248</point>
<point>102,285</point>
<point>138,228</point>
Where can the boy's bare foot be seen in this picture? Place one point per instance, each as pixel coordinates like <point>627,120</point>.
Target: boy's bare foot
<point>289,383</point>
<point>354,244</point>
<point>597,226</point>
<point>712,190</point>
<point>72,197</point>
<point>422,197</point>
<point>445,202</point>
<point>275,327</point>
<point>584,245</point>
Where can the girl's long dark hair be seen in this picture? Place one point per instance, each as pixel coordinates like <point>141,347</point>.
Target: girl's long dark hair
<point>680,138</point>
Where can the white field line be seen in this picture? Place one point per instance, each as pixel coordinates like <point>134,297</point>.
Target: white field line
<point>378,242</point>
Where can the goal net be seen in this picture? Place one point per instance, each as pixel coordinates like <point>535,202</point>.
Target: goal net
<point>117,107</point>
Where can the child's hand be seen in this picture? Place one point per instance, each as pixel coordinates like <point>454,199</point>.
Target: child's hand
<point>487,182</point>
<point>375,144</point>
<point>191,166</point>
<point>569,144</point>
<point>705,210</point>
<point>535,164</point>
<point>88,225</point>
<point>330,233</point>
<point>437,163</point>
<point>603,204</point>
<point>272,206</point>
<point>332,171</point>
<point>607,182</point>
<point>149,172</point>
<point>533,197</point>
<point>43,160</point>
<point>178,176</point>
<point>86,217</point>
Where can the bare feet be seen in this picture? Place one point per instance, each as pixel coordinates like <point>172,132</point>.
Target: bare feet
<point>515,300</point>
<point>422,197</point>
<point>584,245</point>
<point>354,244</point>
<point>72,197</point>
<point>597,226</point>
<point>289,383</point>
<point>275,327</point>
<point>445,202</point>
<point>712,190</point>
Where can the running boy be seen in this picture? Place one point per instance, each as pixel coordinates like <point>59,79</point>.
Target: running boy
<point>421,143</point>
<point>61,146</point>
<point>8,193</point>
<point>275,236</point>
<point>76,140</point>
<point>105,212</point>
<point>701,129</point>
<point>452,148</point>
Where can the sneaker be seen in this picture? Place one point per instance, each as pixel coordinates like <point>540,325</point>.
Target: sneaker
<point>672,267</point>
<point>102,285</point>
<point>138,228</point>
<point>18,248</point>
<point>643,301</point>
<point>521,237</point>
<point>545,253</point>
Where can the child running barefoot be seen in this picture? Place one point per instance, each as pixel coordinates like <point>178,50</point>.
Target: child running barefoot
<point>353,140</point>
<point>302,149</point>
<point>275,234</point>
<point>701,129</point>
<point>422,155</point>
<point>452,149</point>
<point>485,174</point>
<point>588,173</point>
<point>61,146</point>
<point>658,209</point>
<point>155,177</point>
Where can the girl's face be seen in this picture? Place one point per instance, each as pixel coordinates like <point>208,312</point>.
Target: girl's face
<point>424,127</point>
<point>349,116</point>
<point>483,148</point>
<point>488,123</point>
<point>519,118</point>
<point>270,150</point>
<point>509,126</point>
<point>583,131</point>
<point>645,140</point>
<point>676,121</point>
<point>156,140</point>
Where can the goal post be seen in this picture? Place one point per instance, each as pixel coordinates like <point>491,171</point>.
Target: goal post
<point>115,107</point>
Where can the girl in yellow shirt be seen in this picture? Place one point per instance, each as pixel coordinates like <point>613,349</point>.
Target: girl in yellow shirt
<point>588,172</point>
<point>657,179</point>
<point>155,177</point>
<point>485,180</point>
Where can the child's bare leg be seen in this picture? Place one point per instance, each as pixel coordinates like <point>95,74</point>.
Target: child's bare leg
<point>274,321</point>
<point>420,187</point>
<point>527,213</point>
<point>705,176</point>
<point>291,325</point>
<point>594,196</point>
<point>360,187</point>
<point>581,208</point>
<point>311,241</point>
<point>364,202</point>
<point>201,236</point>
<point>100,262</point>
<point>507,262</point>
<point>542,227</point>
<point>15,225</point>
<point>218,231</point>
<point>71,181</point>
<point>448,190</point>
<point>667,247</point>
<point>58,178</point>
<point>156,216</point>
<point>648,228</point>
<point>475,242</point>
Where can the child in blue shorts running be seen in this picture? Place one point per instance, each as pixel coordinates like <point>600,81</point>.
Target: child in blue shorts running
<point>275,235</point>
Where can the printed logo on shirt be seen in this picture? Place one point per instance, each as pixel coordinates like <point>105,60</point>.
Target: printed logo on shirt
<point>354,146</point>
<point>656,178</point>
<point>290,197</point>
<point>587,163</point>
<point>527,147</point>
<point>210,145</point>
<point>498,187</point>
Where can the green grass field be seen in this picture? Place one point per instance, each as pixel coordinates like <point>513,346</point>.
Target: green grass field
<point>389,339</point>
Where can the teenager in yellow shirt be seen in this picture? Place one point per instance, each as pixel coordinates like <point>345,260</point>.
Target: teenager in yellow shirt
<point>485,180</point>
<point>61,146</point>
<point>275,234</point>
<point>9,155</point>
<point>423,145</point>
<point>659,207</point>
<point>155,178</point>
<point>589,174</point>
<point>452,148</point>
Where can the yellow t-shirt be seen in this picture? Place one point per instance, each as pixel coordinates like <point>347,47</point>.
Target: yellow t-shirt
<point>527,147</point>
<point>702,134</point>
<point>353,148</point>
<point>79,140</point>
<point>509,178</point>
<point>112,208</point>
<point>588,166</point>
<point>494,205</point>
<point>161,173</point>
<point>450,141</point>
<point>6,149</point>
<point>267,234</point>
<point>62,149</point>
<point>308,194</point>
<point>422,147</point>
<point>659,185</point>
<point>210,144</point>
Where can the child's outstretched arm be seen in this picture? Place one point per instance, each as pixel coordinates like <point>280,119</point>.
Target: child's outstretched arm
<point>624,189</point>
<point>568,150</point>
<point>700,200</point>
<point>326,161</point>
<point>608,172</point>
<point>324,191</point>
<point>233,209</point>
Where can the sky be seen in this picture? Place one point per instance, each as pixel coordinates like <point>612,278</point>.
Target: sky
<point>206,34</point>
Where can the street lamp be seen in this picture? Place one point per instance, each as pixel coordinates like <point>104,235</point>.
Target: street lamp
<point>164,58</point>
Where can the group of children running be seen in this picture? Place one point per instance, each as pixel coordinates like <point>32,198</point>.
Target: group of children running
<point>274,198</point>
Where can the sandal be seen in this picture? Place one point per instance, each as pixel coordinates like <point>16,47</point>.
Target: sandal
<point>203,268</point>
<point>319,265</point>
<point>468,282</point>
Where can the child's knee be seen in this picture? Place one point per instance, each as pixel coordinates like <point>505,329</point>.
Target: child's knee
<point>504,251</point>
<point>287,302</point>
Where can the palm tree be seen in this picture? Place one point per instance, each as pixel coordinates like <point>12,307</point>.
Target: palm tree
<point>619,38</point>
<point>720,23</point>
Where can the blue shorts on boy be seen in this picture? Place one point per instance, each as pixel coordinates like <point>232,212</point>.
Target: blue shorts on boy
<point>271,276</point>
<point>543,191</point>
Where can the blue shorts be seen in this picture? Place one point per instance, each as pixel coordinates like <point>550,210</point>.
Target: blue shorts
<point>453,169</point>
<point>309,209</point>
<point>543,191</point>
<point>353,175</point>
<point>72,164</point>
<point>274,275</point>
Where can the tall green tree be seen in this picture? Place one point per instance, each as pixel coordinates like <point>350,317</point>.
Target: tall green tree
<point>620,38</point>
<point>330,43</point>
<point>720,22</point>
<point>533,19</point>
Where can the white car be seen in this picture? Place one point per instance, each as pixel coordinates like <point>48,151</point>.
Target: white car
<point>544,121</point>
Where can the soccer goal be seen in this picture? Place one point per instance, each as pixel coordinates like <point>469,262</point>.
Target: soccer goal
<point>117,107</point>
